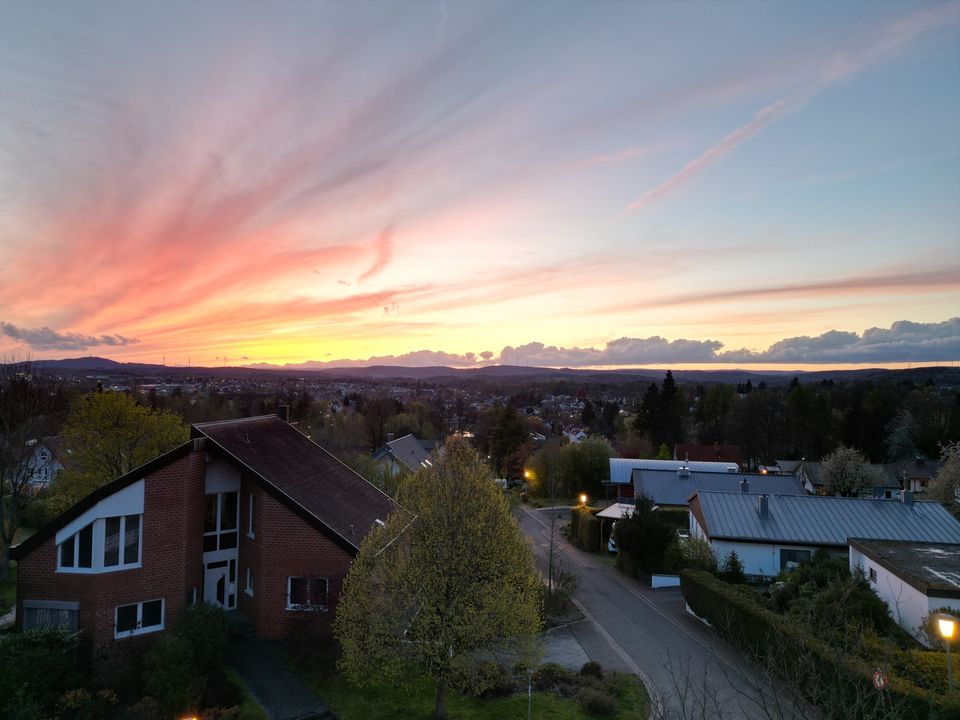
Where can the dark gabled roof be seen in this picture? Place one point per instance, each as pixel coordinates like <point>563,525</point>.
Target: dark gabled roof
<point>300,473</point>
<point>407,450</point>
<point>50,529</point>
<point>311,480</point>
<point>823,520</point>
<point>672,487</point>
<point>932,568</point>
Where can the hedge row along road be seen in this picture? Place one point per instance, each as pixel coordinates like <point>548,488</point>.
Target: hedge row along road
<point>666,646</point>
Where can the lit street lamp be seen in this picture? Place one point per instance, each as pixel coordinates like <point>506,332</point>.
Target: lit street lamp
<point>583,498</point>
<point>947,625</point>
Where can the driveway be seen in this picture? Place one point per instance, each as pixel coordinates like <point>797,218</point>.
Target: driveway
<point>690,671</point>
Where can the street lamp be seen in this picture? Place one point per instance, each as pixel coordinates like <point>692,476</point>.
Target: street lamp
<point>947,625</point>
<point>583,498</point>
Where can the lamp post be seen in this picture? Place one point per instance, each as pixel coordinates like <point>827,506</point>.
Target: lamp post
<point>583,499</point>
<point>947,625</point>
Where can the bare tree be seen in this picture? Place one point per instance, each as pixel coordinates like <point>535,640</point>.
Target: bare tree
<point>28,401</point>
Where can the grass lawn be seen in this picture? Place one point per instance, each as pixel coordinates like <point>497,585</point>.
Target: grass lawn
<point>8,591</point>
<point>352,703</point>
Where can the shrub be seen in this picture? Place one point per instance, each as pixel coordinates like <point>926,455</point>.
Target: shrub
<point>589,532</point>
<point>596,702</point>
<point>732,571</point>
<point>550,677</point>
<point>592,668</point>
<point>36,668</point>
<point>205,627</point>
<point>644,536</point>
<point>178,665</point>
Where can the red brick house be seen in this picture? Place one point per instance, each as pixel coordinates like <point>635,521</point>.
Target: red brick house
<point>248,515</point>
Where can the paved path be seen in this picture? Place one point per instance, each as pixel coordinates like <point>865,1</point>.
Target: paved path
<point>280,691</point>
<point>650,633</point>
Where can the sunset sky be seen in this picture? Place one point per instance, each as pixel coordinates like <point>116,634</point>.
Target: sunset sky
<point>540,183</point>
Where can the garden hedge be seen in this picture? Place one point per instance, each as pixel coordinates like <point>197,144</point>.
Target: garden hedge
<point>838,683</point>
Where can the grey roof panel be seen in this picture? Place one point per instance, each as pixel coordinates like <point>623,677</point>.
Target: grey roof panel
<point>408,451</point>
<point>668,487</point>
<point>621,469</point>
<point>824,520</point>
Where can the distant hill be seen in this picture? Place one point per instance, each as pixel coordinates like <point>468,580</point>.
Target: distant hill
<point>949,376</point>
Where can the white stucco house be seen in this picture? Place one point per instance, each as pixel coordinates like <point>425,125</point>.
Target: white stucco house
<point>914,579</point>
<point>771,533</point>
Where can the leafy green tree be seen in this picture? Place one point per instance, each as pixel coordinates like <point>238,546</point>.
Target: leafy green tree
<point>586,464</point>
<point>444,580</point>
<point>108,435</point>
<point>846,472</point>
<point>663,452</point>
<point>644,536</point>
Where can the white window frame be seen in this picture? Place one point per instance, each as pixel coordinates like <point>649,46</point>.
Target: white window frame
<point>98,544</point>
<point>249,584</point>
<point>138,630</point>
<point>220,531</point>
<point>309,581</point>
<point>251,512</point>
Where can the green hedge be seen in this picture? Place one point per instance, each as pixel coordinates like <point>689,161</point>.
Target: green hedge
<point>589,532</point>
<point>838,683</point>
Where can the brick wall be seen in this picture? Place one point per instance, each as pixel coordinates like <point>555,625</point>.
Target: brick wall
<point>285,545</point>
<point>171,558</point>
<point>172,562</point>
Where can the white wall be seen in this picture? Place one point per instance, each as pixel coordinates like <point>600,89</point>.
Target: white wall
<point>908,606</point>
<point>128,501</point>
<point>221,477</point>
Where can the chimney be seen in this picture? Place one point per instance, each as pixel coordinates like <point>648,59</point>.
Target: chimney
<point>391,437</point>
<point>744,486</point>
<point>906,497</point>
<point>283,412</point>
<point>762,506</point>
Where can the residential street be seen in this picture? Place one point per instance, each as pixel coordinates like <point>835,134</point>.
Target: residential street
<point>652,633</point>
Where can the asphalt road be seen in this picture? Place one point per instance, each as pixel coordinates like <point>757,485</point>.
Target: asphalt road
<point>691,671</point>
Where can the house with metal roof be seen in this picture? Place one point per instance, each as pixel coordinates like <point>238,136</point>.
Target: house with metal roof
<point>771,533</point>
<point>673,488</point>
<point>621,470</point>
<point>405,454</point>
<point>249,515</point>
<point>914,579</point>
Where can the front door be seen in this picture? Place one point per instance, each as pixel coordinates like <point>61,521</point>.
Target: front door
<point>215,584</point>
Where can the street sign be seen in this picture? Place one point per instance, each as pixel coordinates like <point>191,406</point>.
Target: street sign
<point>880,680</point>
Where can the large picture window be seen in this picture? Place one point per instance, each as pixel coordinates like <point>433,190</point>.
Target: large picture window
<point>105,545</point>
<point>139,618</point>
